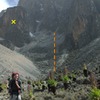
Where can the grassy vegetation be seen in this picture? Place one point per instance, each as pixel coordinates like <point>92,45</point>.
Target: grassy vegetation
<point>65,78</point>
<point>3,86</point>
<point>52,82</point>
<point>28,96</point>
<point>94,94</point>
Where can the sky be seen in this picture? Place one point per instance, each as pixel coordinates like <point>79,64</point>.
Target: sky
<point>4,4</point>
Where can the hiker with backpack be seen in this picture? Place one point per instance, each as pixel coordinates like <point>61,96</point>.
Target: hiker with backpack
<point>15,87</point>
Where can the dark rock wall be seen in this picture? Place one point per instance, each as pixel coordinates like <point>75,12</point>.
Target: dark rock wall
<point>17,33</point>
<point>77,19</point>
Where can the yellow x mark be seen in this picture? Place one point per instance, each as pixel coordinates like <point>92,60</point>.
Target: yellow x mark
<point>13,21</point>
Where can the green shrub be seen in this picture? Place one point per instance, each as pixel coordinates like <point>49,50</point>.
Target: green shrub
<point>3,86</point>
<point>65,78</point>
<point>94,94</point>
<point>73,75</point>
<point>52,82</point>
<point>28,96</point>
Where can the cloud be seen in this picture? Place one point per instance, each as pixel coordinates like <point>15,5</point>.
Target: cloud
<point>12,2</point>
<point>3,5</point>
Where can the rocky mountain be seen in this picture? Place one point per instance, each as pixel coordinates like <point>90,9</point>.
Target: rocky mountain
<point>97,4</point>
<point>17,33</point>
<point>75,19</point>
<point>88,54</point>
<point>10,61</point>
<point>76,23</point>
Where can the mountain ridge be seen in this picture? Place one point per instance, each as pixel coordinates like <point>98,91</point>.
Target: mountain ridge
<point>76,23</point>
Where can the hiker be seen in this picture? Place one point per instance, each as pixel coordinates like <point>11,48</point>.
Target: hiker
<point>85,71</point>
<point>15,87</point>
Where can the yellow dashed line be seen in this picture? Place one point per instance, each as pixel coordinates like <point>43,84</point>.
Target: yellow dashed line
<point>54,45</point>
<point>54,69</point>
<point>54,38</point>
<point>54,51</point>
<point>54,57</point>
<point>54,63</point>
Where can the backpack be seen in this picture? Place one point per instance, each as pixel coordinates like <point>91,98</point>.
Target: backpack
<point>13,89</point>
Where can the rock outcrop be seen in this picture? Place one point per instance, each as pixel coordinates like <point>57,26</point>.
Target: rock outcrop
<point>18,33</point>
<point>77,19</point>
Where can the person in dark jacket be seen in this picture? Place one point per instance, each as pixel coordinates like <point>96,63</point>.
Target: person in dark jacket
<point>15,87</point>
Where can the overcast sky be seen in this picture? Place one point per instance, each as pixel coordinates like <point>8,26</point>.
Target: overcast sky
<point>4,4</point>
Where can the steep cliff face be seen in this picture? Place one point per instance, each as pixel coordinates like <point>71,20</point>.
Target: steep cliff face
<point>46,14</point>
<point>85,22</point>
<point>17,33</point>
<point>77,19</point>
<point>76,22</point>
<point>97,4</point>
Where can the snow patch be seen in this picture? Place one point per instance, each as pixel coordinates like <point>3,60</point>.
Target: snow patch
<point>37,21</point>
<point>31,34</point>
